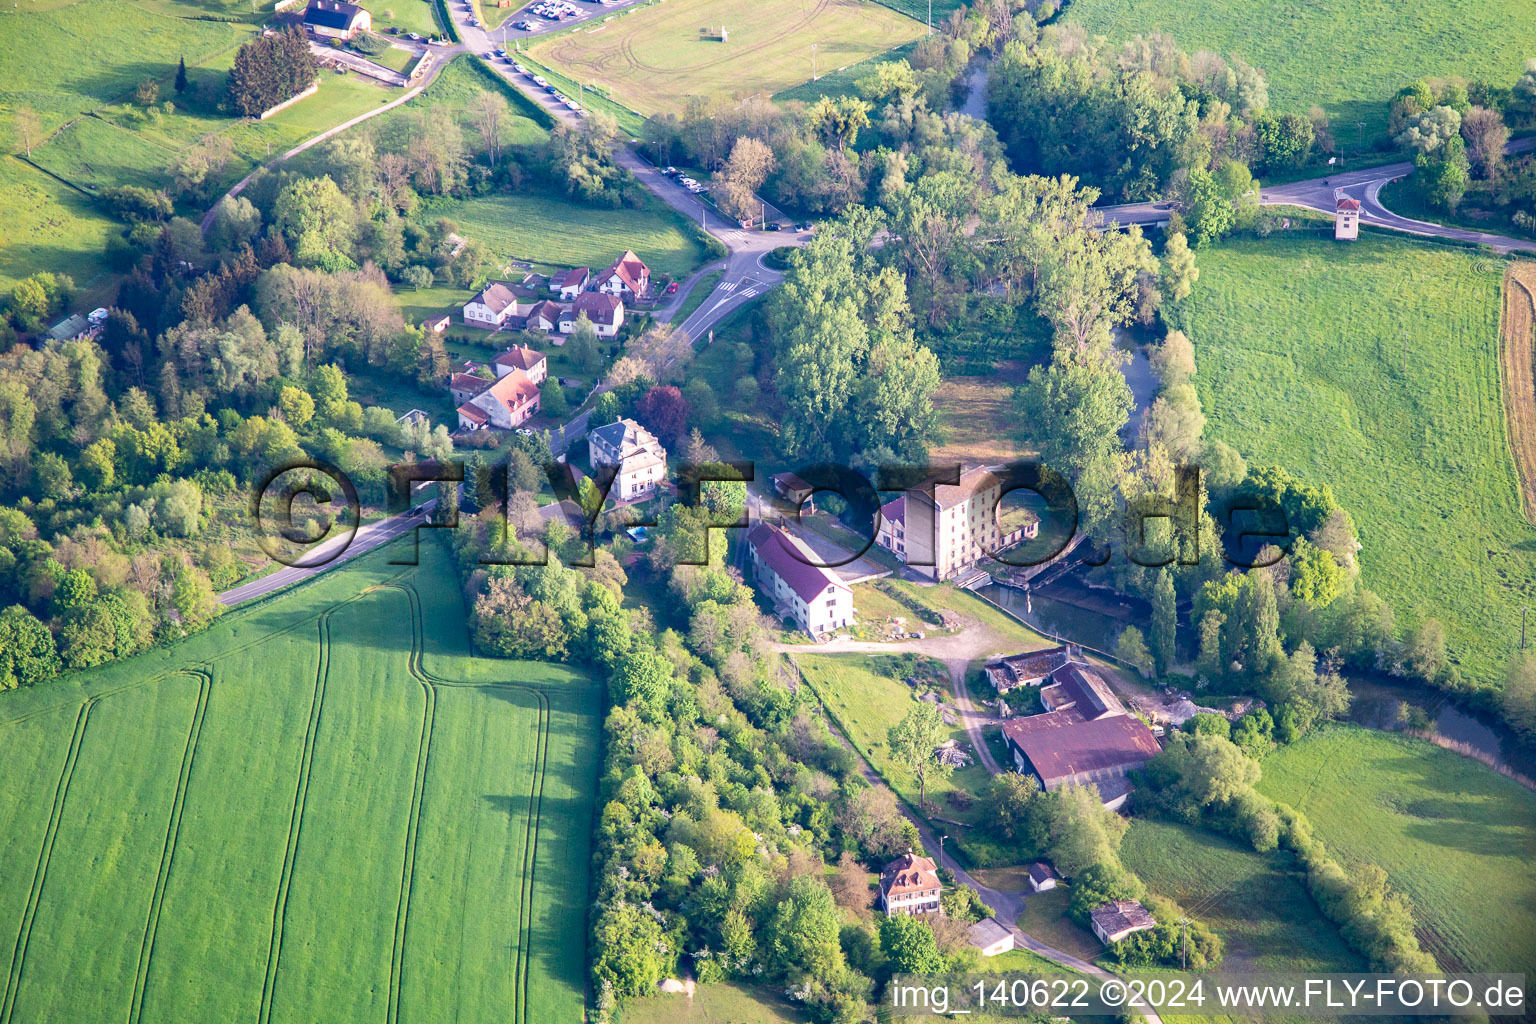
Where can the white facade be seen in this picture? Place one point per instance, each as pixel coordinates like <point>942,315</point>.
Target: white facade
<point>640,459</point>
<point>785,570</point>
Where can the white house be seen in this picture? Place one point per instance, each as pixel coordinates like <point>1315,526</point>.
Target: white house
<point>523,358</point>
<point>543,316</point>
<point>628,278</point>
<point>1116,919</point>
<point>944,529</point>
<point>640,459</point>
<point>571,283</point>
<point>491,307</point>
<point>910,885</point>
<point>605,311</point>
<point>332,19</point>
<point>814,596</point>
<point>1042,876</point>
<point>1346,219</point>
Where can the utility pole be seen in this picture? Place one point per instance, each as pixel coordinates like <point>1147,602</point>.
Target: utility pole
<point>1184,953</point>
<point>813,62</point>
<point>941,850</point>
<point>930,17</point>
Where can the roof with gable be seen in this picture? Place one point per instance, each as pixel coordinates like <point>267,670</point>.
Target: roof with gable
<point>1040,871</point>
<point>1118,917</point>
<point>496,297</point>
<point>1346,204</point>
<point>473,413</point>
<point>471,382</point>
<point>512,392</point>
<point>624,436</point>
<point>331,14</point>
<point>895,510</point>
<point>1061,744</point>
<point>987,932</point>
<point>791,561</point>
<point>600,307</point>
<point>1083,687</point>
<point>520,357</point>
<point>909,873</point>
<point>576,277</point>
<point>545,310</point>
<point>630,269</point>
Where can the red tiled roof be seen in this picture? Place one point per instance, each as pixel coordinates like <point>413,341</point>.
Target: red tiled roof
<point>468,382</point>
<point>630,269</point>
<point>521,357</point>
<point>1347,203</point>
<point>1061,743</point>
<point>895,510</point>
<point>545,310</point>
<point>1118,916</point>
<point>573,278</point>
<point>473,413</point>
<point>790,560</point>
<point>599,307</point>
<point>909,873</point>
<point>514,389</point>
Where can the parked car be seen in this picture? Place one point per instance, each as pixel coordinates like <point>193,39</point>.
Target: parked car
<point>519,69</point>
<point>670,172</point>
<point>539,81</point>
<point>672,288</point>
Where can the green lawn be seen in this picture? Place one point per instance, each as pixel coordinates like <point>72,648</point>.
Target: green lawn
<point>1451,834</point>
<point>866,704</point>
<point>46,225</point>
<point>656,58</point>
<point>550,228</point>
<point>408,15</point>
<point>714,1004</point>
<point>1373,367</point>
<point>322,809</point>
<point>1348,56</point>
<point>1256,902</point>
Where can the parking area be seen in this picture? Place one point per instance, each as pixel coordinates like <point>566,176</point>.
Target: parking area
<point>543,15</point>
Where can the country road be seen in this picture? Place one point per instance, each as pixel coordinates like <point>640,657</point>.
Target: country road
<point>1320,194</point>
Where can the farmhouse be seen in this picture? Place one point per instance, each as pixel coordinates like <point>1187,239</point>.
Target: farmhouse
<point>814,596</point>
<point>522,358</point>
<point>1118,918</point>
<point>944,529</point>
<point>606,312</point>
<point>1346,219</point>
<point>571,283</point>
<point>509,402</point>
<point>628,278</point>
<point>640,459</point>
<point>1086,736</point>
<point>491,307</point>
<point>989,936</point>
<point>910,885</point>
<point>332,19</point>
<point>464,386</point>
<point>1042,876</point>
<point>1029,669</point>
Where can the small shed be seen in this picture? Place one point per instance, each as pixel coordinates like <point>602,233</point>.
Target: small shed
<point>436,325</point>
<point>1346,218</point>
<point>1042,876</point>
<point>990,936</point>
<point>793,489</point>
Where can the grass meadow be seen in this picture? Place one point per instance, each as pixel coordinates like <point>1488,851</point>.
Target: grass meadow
<point>655,59</point>
<point>1258,902</point>
<point>1453,836</point>
<point>323,808</point>
<point>1373,367</point>
<point>1348,57</point>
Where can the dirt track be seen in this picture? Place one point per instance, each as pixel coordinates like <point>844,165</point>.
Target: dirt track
<point>1517,366</point>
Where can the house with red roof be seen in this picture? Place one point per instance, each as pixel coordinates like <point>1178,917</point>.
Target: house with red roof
<point>521,357</point>
<point>788,573</point>
<point>606,312</point>
<point>628,278</point>
<point>543,316</point>
<point>571,283</point>
<point>508,403</point>
<point>910,885</point>
<point>1346,218</point>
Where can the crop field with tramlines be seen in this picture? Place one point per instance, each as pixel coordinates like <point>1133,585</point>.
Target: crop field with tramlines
<point>322,809</point>
<point>657,57</point>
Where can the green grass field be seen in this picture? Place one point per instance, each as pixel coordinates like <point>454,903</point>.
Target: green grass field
<point>1373,367</point>
<point>407,15</point>
<point>1257,902</point>
<point>46,225</point>
<point>1349,57</point>
<point>542,228</point>
<point>714,1004</point>
<point>1451,834</point>
<point>321,809</point>
<point>655,59</point>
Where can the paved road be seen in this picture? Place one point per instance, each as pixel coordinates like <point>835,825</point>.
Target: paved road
<point>368,537</point>
<point>586,10</point>
<point>1320,194</point>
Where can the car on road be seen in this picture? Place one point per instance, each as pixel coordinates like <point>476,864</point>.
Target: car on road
<point>670,172</point>
<point>519,69</point>
<point>552,90</point>
<point>572,105</point>
<point>525,431</point>
<point>539,81</point>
